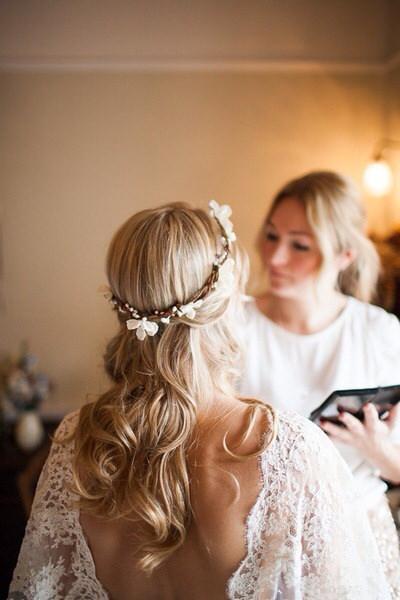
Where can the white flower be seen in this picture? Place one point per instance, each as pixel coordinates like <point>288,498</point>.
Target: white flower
<point>231,235</point>
<point>222,214</point>
<point>189,310</point>
<point>143,327</point>
<point>226,278</point>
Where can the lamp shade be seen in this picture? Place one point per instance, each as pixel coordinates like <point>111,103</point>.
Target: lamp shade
<point>378,178</point>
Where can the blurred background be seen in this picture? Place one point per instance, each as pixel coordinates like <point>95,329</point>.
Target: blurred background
<point>110,107</point>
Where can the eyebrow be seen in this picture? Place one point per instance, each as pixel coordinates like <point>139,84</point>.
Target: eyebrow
<point>291,232</point>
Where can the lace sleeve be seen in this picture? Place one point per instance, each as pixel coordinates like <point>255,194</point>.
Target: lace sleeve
<point>308,535</point>
<point>340,558</point>
<point>55,562</point>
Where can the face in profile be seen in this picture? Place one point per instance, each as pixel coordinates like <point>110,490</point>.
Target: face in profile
<point>289,250</point>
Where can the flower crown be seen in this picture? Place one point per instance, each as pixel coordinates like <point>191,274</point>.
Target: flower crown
<point>144,323</point>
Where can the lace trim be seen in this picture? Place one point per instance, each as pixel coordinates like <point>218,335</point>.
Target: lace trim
<point>247,528</point>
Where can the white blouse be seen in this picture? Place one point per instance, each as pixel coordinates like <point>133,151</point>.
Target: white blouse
<point>361,348</point>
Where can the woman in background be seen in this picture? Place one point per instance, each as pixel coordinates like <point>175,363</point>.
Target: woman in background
<point>314,332</point>
<point>171,487</point>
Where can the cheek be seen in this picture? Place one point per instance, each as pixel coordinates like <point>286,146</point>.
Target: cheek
<point>306,265</point>
<point>265,252</point>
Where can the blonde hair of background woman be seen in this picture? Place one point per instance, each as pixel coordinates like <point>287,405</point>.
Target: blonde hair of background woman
<point>131,444</point>
<point>337,217</point>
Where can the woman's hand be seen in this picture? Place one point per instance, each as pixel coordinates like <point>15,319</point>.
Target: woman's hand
<point>371,437</point>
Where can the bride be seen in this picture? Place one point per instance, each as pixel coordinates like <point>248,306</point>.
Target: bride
<point>169,486</point>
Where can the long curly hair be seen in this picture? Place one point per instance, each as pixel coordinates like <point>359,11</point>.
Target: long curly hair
<point>131,444</point>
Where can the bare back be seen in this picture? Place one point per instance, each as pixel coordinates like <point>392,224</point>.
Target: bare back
<point>223,491</point>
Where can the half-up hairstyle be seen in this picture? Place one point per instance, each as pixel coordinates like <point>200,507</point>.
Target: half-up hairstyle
<point>131,444</point>
<point>337,217</point>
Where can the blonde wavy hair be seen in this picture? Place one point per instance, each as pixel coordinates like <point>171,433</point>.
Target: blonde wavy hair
<point>337,217</point>
<point>131,444</point>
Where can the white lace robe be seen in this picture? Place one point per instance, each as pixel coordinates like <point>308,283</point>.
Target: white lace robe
<point>307,536</point>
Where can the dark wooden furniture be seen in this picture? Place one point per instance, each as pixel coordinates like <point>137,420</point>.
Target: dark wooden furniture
<point>19,473</point>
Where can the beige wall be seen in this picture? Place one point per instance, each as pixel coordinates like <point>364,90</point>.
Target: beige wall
<point>393,132</point>
<point>81,152</point>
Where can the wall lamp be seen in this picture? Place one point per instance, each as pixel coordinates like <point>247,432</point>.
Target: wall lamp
<point>378,175</point>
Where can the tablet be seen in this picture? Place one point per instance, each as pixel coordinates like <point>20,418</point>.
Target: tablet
<point>352,401</point>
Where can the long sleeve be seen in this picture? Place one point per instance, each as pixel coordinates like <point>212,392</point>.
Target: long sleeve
<point>55,562</point>
<point>339,554</point>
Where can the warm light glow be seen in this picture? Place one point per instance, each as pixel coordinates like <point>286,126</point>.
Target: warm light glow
<point>378,178</point>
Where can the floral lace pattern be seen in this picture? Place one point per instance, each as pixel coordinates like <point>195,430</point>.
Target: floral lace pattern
<point>387,539</point>
<point>307,536</point>
<point>55,562</point>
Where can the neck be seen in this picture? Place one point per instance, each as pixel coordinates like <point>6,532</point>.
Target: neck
<point>216,410</point>
<point>305,315</point>
<point>228,419</point>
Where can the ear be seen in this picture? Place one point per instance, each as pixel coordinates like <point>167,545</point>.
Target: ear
<point>345,258</point>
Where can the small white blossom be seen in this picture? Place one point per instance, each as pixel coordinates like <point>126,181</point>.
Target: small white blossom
<point>189,310</point>
<point>222,214</point>
<point>226,277</point>
<point>143,327</point>
<point>231,235</point>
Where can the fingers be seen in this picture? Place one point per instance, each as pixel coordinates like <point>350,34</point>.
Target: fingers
<point>353,424</point>
<point>394,416</point>
<point>339,433</point>
<point>353,431</point>
<point>371,418</point>
<point>368,436</point>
